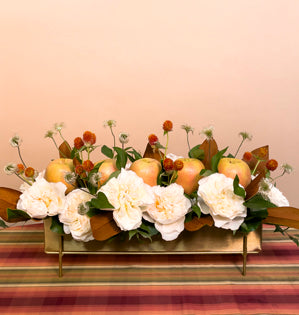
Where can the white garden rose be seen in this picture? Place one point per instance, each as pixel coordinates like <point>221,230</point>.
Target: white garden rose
<point>217,198</point>
<point>76,224</point>
<point>173,157</point>
<point>273,194</point>
<point>130,196</point>
<point>42,199</point>
<point>168,211</point>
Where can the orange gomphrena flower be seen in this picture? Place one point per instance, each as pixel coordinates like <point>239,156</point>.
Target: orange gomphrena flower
<point>152,139</point>
<point>168,164</point>
<point>78,143</point>
<point>178,165</point>
<point>29,172</point>
<point>271,165</point>
<point>79,169</point>
<point>21,168</point>
<point>247,156</point>
<point>167,125</point>
<point>89,137</point>
<point>88,165</point>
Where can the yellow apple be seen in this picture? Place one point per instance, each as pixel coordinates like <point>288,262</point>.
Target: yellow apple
<point>231,167</point>
<point>56,170</point>
<point>188,176</point>
<point>106,169</point>
<point>148,169</point>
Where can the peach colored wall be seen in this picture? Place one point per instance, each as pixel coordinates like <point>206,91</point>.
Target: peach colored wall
<point>232,64</point>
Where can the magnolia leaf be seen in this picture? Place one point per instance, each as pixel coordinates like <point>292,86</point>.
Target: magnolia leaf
<point>258,202</point>
<point>196,210</point>
<point>101,202</point>
<point>56,226</point>
<point>3,224</point>
<point>107,151</point>
<point>65,150</point>
<point>8,199</point>
<point>238,190</point>
<point>210,148</point>
<point>152,153</point>
<point>253,188</point>
<point>262,154</point>
<point>13,214</point>
<point>216,158</point>
<point>286,216</point>
<point>103,226</point>
<point>197,223</point>
<point>196,153</point>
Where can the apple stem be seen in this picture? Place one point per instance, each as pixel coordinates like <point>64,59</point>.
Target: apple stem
<point>19,151</point>
<point>239,147</point>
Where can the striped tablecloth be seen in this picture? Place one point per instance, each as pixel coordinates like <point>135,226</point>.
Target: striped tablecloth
<point>146,284</point>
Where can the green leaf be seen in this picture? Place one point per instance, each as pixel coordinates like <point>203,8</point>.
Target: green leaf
<point>114,174</point>
<point>196,153</point>
<point>121,157</point>
<point>216,158</point>
<point>107,151</point>
<point>56,226</point>
<point>189,217</point>
<point>132,233</point>
<point>205,172</point>
<point>93,211</point>
<point>197,210</point>
<point>135,154</point>
<point>254,213</point>
<point>249,226</point>
<point>101,202</point>
<point>17,214</point>
<point>3,224</point>
<point>230,156</point>
<point>238,190</point>
<point>258,202</point>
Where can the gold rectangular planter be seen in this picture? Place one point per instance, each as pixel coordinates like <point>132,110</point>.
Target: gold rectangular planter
<point>207,240</point>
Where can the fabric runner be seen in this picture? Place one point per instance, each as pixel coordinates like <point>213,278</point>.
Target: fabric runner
<point>146,284</point>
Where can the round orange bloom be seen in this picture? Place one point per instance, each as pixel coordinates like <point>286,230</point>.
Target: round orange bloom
<point>247,156</point>
<point>167,126</point>
<point>21,168</point>
<point>178,165</point>
<point>168,164</point>
<point>152,139</point>
<point>272,165</point>
<point>89,137</point>
<point>29,172</point>
<point>88,165</point>
<point>79,169</point>
<point>78,143</point>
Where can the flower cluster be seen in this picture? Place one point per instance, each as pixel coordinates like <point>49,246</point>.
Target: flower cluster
<point>159,192</point>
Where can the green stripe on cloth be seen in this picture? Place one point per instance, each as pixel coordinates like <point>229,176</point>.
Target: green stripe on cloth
<point>146,284</point>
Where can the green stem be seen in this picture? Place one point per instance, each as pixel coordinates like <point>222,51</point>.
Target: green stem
<point>65,140</point>
<point>58,148</point>
<point>188,141</point>
<point>166,147</point>
<point>256,165</point>
<point>19,151</point>
<point>23,179</point>
<point>113,136</point>
<point>239,147</point>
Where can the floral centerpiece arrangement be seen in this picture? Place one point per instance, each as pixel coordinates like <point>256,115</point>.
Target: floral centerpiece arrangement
<point>141,196</point>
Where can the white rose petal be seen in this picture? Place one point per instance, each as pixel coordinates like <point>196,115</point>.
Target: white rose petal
<point>76,224</point>
<point>274,195</point>
<point>42,198</point>
<point>173,157</point>
<point>169,210</point>
<point>130,196</point>
<point>217,198</point>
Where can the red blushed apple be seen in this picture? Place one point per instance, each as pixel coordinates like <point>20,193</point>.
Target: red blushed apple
<point>106,169</point>
<point>148,169</point>
<point>188,176</point>
<point>231,167</point>
<point>56,171</point>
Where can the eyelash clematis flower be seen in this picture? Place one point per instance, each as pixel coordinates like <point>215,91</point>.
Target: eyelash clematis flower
<point>42,198</point>
<point>74,220</point>
<point>217,198</point>
<point>169,210</point>
<point>130,196</point>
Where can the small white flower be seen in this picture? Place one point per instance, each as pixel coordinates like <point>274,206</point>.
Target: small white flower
<point>15,141</point>
<point>245,135</point>
<point>168,211</point>
<point>59,126</point>
<point>10,168</point>
<point>49,134</point>
<point>83,208</point>
<point>287,168</point>
<point>95,178</point>
<point>70,178</point>
<point>187,128</point>
<point>42,198</point>
<point>208,132</point>
<point>130,196</point>
<point>123,137</point>
<point>109,123</point>
<point>74,222</point>
<point>273,194</point>
<point>217,198</point>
